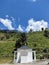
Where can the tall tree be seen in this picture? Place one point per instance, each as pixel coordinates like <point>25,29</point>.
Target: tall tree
<point>21,41</point>
<point>23,38</point>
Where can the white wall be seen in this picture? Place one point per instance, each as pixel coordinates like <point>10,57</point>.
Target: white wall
<point>29,57</point>
<point>26,58</point>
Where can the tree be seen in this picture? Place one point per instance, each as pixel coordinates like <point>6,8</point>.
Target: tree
<point>45,50</point>
<point>35,45</point>
<point>21,41</point>
<point>23,38</point>
<point>31,30</point>
<point>46,32</point>
<point>42,29</point>
<point>18,44</point>
<point>41,57</point>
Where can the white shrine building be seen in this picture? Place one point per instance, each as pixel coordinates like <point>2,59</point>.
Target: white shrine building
<point>24,54</point>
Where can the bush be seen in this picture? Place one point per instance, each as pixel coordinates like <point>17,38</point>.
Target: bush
<point>7,36</point>
<point>1,38</point>
<point>41,57</point>
<point>45,50</point>
<point>46,33</point>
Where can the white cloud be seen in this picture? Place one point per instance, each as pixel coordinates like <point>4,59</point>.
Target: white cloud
<point>20,28</point>
<point>36,25</point>
<point>33,0</point>
<point>6,22</point>
<point>13,19</point>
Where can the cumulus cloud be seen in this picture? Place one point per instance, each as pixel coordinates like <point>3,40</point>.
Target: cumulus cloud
<point>36,25</point>
<point>6,22</point>
<point>20,28</point>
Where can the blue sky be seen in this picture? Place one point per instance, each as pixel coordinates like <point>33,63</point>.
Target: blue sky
<point>24,15</point>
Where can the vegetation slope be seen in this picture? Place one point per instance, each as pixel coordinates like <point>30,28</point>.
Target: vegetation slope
<point>35,40</point>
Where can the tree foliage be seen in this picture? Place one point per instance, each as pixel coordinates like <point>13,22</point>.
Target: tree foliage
<point>45,50</point>
<point>42,29</point>
<point>21,41</point>
<point>46,33</point>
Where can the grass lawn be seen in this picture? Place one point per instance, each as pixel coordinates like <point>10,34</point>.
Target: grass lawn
<point>6,60</point>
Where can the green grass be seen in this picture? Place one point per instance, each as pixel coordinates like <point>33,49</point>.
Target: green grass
<point>39,39</point>
<point>6,48</point>
<point>6,60</point>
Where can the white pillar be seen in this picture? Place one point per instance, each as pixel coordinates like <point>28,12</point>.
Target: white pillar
<point>34,55</point>
<point>18,57</point>
<point>14,55</point>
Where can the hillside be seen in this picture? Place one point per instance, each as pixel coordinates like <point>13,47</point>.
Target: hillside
<point>35,40</point>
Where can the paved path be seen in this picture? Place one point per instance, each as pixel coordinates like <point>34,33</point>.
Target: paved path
<point>34,63</point>
<point>26,64</point>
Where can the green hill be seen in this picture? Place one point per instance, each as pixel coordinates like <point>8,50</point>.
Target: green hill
<point>35,40</point>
